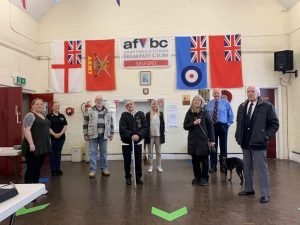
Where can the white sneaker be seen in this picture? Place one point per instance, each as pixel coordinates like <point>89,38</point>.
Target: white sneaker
<point>92,174</point>
<point>159,169</point>
<point>150,169</point>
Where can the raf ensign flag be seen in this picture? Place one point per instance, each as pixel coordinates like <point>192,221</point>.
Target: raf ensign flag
<point>191,62</point>
<point>66,66</point>
<point>225,61</point>
<point>100,65</point>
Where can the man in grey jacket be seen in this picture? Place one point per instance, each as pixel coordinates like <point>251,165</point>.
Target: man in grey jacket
<point>257,122</point>
<point>98,127</point>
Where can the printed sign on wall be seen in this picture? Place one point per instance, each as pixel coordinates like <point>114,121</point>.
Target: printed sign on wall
<point>145,52</point>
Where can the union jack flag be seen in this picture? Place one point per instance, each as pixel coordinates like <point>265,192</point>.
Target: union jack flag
<point>198,49</point>
<point>232,46</point>
<point>74,52</point>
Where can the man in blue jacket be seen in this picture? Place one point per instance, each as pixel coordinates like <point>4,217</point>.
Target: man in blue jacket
<point>257,122</point>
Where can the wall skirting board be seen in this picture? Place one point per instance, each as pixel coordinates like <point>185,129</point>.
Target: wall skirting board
<point>164,157</point>
<point>295,156</point>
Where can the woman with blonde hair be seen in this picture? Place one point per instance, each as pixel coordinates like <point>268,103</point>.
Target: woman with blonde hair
<point>36,142</point>
<point>155,135</point>
<point>200,138</point>
<point>57,134</point>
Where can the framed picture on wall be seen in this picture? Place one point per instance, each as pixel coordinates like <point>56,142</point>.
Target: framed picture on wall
<point>205,93</point>
<point>186,99</point>
<point>145,78</point>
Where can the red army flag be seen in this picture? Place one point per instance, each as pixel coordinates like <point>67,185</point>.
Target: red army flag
<point>225,61</point>
<point>100,65</point>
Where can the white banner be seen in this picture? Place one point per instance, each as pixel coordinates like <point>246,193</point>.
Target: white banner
<point>66,68</point>
<point>145,52</point>
<point>35,8</point>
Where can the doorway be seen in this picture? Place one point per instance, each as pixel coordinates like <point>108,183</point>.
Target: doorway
<point>268,94</point>
<point>14,104</point>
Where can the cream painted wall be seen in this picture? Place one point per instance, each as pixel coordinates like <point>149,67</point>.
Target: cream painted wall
<point>294,87</point>
<point>263,25</point>
<point>23,60</point>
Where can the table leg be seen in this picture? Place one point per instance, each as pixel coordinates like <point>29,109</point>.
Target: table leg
<point>16,170</point>
<point>12,219</point>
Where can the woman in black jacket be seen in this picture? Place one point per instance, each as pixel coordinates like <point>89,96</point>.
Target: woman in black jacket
<point>200,139</point>
<point>155,135</point>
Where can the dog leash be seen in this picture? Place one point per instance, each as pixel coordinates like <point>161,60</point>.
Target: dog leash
<point>211,148</point>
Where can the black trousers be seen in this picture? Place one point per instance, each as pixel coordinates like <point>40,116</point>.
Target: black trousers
<point>127,150</point>
<point>221,133</point>
<point>34,164</point>
<point>200,166</point>
<point>55,155</point>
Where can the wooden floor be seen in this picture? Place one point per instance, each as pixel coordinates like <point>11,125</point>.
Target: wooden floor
<point>77,200</point>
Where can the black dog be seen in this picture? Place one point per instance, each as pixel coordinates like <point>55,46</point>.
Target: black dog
<point>230,164</point>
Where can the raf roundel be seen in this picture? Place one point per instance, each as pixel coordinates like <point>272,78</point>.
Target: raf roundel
<point>191,76</point>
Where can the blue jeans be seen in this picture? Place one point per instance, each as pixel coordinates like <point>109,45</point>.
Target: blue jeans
<point>93,149</point>
<point>55,155</point>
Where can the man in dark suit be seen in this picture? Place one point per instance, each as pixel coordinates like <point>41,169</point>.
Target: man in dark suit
<point>257,122</point>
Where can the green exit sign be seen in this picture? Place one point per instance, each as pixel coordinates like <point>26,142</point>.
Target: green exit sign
<point>19,80</point>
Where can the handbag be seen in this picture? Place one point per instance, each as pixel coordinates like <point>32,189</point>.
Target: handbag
<point>145,160</point>
<point>7,191</point>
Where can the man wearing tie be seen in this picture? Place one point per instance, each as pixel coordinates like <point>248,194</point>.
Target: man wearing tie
<point>257,122</point>
<point>221,113</point>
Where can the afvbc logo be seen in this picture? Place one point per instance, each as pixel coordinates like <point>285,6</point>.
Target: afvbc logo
<point>142,42</point>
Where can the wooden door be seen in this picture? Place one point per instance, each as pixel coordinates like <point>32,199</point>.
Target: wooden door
<point>10,116</point>
<point>269,95</point>
<point>10,126</point>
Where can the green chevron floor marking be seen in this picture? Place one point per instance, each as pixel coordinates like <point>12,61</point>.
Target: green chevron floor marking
<point>23,210</point>
<point>169,216</point>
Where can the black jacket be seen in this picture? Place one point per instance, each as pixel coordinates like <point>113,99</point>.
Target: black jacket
<point>130,125</point>
<point>161,128</point>
<point>198,138</point>
<point>264,124</point>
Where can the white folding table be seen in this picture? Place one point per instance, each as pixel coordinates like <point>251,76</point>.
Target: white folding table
<point>10,152</point>
<point>27,193</point>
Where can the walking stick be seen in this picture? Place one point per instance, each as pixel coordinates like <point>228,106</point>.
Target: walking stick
<point>133,165</point>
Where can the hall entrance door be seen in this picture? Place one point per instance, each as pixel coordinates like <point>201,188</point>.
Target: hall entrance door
<point>10,126</point>
<point>269,95</point>
<point>14,104</point>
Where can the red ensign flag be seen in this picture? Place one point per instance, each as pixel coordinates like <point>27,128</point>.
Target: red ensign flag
<point>225,61</point>
<point>100,65</point>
